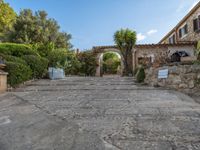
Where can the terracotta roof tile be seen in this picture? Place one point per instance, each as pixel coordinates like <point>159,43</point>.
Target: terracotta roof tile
<point>147,45</point>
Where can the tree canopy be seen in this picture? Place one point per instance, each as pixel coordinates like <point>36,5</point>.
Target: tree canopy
<point>125,39</point>
<point>110,55</point>
<point>32,28</point>
<point>7,18</point>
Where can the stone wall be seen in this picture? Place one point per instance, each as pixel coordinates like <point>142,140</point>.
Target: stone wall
<point>150,52</point>
<point>160,51</point>
<point>185,78</point>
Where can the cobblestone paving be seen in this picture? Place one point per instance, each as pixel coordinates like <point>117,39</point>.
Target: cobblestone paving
<point>97,114</point>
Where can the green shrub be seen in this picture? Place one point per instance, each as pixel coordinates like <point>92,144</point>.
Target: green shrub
<point>17,50</point>
<point>17,73</point>
<point>111,63</point>
<point>13,59</point>
<point>197,82</point>
<point>73,65</point>
<point>88,63</point>
<point>37,64</point>
<point>140,76</point>
<point>196,62</point>
<point>57,58</point>
<point>43,49</point>
<point>135,71</point>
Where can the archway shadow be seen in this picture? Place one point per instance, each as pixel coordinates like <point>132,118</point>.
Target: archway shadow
<point>99,69</point>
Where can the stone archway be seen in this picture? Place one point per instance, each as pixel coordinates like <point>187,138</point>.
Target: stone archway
<point>99,53</point>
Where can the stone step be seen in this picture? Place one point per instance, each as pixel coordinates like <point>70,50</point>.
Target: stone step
<point>89,81</point>
<point>83,83</point>
<point>101,89</point>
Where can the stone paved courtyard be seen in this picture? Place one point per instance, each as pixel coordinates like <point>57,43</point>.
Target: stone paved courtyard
<point>111,113</point>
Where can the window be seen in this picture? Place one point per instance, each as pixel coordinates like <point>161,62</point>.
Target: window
<point>183,31</point>
<point>172,39</point>
<point>196,24</point>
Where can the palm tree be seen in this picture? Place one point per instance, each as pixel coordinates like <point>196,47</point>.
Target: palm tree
<point>125,39</point>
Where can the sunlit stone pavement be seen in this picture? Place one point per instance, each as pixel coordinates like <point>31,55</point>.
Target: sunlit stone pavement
<point>110,113</point>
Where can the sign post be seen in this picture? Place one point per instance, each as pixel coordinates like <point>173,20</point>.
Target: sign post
<point>163,74</point>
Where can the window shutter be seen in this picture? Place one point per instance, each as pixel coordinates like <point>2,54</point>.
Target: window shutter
<point>195,24</point>
<point>174,39</point>
<point>198,23</point>
<point>186,29</point>
<point>180,33</point>
<point>169,41</point>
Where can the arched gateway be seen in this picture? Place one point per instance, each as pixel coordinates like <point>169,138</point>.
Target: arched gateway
<point>100,51</point>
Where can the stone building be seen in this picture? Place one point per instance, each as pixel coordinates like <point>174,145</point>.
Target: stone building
<point>187,30</point>
<point>151,52</point>
<point>147,52</point>
<point>182,38</point>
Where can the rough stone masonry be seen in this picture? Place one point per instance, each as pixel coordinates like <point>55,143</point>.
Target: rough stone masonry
<point>185,78</point>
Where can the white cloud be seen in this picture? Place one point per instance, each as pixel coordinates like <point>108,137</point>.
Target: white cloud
<point>140,37</point>
<point>152,31</point>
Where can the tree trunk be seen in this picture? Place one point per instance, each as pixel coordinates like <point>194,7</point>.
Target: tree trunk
<point>126,66</point>
<point>128,63</point>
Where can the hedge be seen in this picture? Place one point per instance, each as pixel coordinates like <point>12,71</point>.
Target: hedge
<point>18,73</point>
<point>37,64</point>
<point>135,71</point>
<point>13,59</point>
<point>17,50</point>
<point>140,76</point>
<point>57,58</point>
<point>88,63</point>
<point>22,62</point>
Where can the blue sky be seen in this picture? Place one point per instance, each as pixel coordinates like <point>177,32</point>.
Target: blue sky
<point>93,22</point>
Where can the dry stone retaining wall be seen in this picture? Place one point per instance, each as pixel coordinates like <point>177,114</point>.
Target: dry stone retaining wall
<point>185,78</point>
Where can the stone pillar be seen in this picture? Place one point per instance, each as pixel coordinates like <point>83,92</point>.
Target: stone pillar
<point>134,59</point>
<point>3,82</point>
<point>122,66</point>
<point>98,69</point>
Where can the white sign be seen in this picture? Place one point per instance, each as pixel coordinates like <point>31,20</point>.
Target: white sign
<point>56,73</point>
<point>163,74</point>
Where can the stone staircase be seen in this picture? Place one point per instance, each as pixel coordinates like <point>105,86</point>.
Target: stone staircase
<point>120,112</point>
<point>83,83</point>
